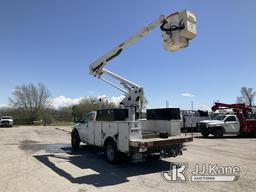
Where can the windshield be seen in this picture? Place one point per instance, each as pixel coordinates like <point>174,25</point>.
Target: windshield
<point>219,117</point>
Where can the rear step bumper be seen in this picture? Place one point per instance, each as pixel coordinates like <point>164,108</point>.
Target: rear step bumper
<point>173,146</point>
<point>158,142</point>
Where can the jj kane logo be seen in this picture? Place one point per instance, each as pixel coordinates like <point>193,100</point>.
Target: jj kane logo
<point>201,173</point>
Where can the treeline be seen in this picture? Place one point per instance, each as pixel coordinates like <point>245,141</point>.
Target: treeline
<point>51,115</point>
<point>31,103</point>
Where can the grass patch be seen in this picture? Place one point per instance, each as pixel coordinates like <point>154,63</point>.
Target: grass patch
<point>62,123</point>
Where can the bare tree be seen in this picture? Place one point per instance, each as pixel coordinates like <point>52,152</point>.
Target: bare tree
<point>247,96</point>
<point>31,99</point>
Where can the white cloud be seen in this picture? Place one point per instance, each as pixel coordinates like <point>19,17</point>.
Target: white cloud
<point>3,105</point>
<point>204,107</point>
<point>113,99</point>
<point>187,95</point>
<point>117,99</point>
<point>62,101</point>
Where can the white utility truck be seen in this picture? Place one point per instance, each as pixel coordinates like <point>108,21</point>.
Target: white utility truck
<point>6,121</point>
<point>120,130</point>
<point>190,119</point>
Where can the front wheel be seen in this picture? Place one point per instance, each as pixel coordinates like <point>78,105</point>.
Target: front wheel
<point>111,152</point>
<point>75,140</point>
<point>218,133</point>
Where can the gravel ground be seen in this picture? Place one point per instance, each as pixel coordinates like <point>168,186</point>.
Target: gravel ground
<point>40,159</point>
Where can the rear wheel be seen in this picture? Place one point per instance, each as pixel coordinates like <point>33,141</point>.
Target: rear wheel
<point>218,133</point>
<point>111,152</point>
<point>75,140</point>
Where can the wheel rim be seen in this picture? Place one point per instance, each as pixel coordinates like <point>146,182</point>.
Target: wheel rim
<point>73,140</point>
<point>110,152</point>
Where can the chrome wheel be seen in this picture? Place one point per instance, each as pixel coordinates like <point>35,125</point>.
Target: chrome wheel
<point>110,152</point>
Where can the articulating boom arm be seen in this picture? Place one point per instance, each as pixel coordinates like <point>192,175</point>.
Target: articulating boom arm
<point>173,39</point>
<point>97,66</point>
<point>238,106</point>
<point>133,92</point>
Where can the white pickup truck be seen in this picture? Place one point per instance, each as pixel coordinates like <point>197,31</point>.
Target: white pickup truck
<point>220,124</point>
<point>6,121</point>
<point>137,139</point>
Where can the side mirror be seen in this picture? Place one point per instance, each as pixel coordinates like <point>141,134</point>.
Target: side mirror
<point>81,121</point>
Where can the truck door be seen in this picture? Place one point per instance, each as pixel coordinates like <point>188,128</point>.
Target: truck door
<point>83,126</point>
<point>232,124</point>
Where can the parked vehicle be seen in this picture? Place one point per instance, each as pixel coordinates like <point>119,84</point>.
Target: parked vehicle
<point>242,121</point>
<point>110,130</point>
<point>6,121</point>
<point>190,118</point>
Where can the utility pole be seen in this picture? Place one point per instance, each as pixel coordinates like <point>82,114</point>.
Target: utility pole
<point>167,104</point>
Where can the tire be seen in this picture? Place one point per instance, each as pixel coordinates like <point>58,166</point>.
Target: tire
<point>205,134</point>
<point>111,152</point>
<point>75,140</point>
<point>218,133</point>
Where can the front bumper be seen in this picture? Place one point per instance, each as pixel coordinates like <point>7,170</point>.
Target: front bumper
<point>6,123</point>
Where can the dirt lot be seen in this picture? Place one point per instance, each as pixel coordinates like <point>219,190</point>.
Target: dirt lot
<point>40,159</point>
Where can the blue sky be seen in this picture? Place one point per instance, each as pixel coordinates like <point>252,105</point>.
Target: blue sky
<point>54,41</point>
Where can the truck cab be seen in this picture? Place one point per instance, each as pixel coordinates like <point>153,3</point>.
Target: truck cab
<point>219,125</point>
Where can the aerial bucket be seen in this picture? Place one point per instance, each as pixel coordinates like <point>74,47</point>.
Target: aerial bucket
<point>178,29</point>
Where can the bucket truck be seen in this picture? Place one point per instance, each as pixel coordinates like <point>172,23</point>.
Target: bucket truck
<point>241,120</point>
<point>120,130</point>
